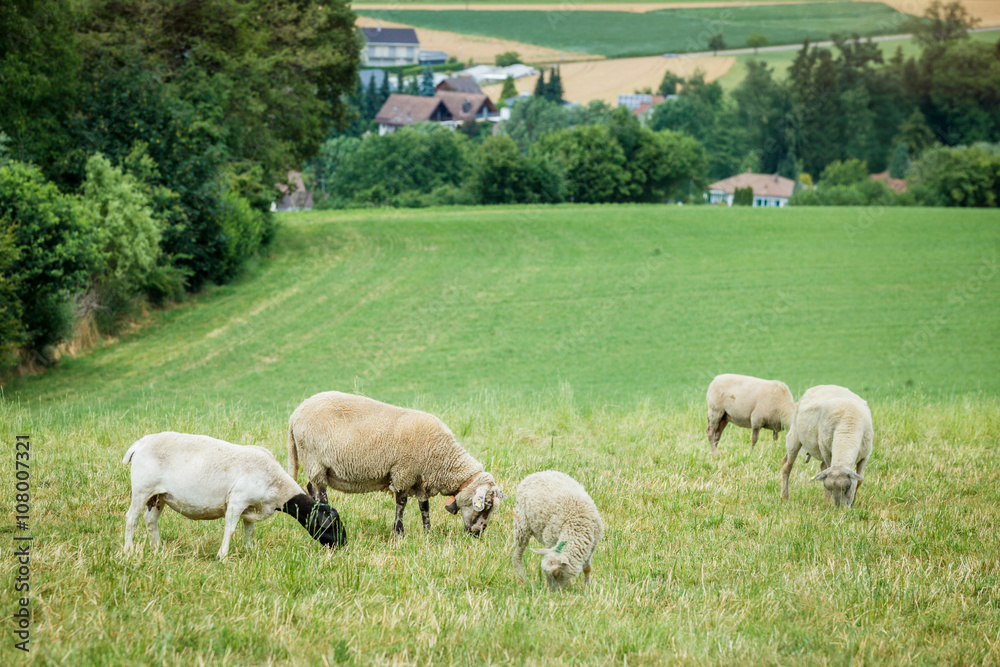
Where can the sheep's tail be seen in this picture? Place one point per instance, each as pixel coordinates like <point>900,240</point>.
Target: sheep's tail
<point>293,455</point>
<point>131,451</point>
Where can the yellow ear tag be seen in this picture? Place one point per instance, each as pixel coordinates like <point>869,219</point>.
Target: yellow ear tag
<point>478,505</point>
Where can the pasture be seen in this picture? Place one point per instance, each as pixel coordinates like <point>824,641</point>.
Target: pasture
<point>618,34</point>
<point>580,338</point>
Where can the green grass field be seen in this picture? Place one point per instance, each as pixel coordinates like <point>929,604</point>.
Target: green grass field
<point>577,338</point>
<point>621,34</point>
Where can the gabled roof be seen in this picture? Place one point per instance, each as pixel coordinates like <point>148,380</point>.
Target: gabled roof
<point>465,105</point>
<point>408,109</point>
<point>764,185</point>
<point>391,36</point>
<point>460,84</point>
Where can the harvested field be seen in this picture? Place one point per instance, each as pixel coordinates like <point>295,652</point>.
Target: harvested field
<point>482,50</point>
<point>606,79</point>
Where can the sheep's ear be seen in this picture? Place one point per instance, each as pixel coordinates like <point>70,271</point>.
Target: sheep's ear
<point>821,476</point>
<point>855,476</point>
<point>542,552</point>
<point>451,504</point>
<point>499,495</point>
<point>479,500</point>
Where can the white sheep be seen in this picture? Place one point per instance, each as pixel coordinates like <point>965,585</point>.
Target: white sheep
<point>206,478</point>
<point>556,510</point>
<point>748,402</point>
<point>358,445</point>
<point>834,425</point>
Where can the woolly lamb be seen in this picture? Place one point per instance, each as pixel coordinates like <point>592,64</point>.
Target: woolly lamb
<point>748,402</point>
<point>834,425</point>
<point>205,478</point>
<point>358,445</point>
<point>555,509</point>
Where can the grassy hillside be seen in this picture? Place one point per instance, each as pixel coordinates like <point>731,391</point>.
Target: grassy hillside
<point>621,34</point>
<point>577,338</point>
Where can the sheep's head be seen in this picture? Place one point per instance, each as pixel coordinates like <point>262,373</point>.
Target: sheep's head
<point>477,502</point>
<point>840,484</point>
<point>320,519</point>
<point>555,565</point>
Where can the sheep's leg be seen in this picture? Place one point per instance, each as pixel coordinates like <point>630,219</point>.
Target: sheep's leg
<point>425,513</point>
<point>716,425</point>
<point>792,450</point>
<point>155,506</point>
<point>586,574</point>
<point>401,499</point>
<point>521,537</point>
<point>774,435</point>
<point>248,527</point>
<point>861,472</point>
<point>233,513</point>
<point>132,519</point>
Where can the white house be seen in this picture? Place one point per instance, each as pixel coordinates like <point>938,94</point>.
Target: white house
<point>390,46</point>
<point>768,189</point>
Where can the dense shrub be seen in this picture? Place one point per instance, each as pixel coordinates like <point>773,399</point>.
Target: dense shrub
<point>53,235</point>
<point>243,229</point>
<point>594,163</point>
<point>504,175</point>
<point>417,159</point>
<point>961,176</point>
<point>11,329</point>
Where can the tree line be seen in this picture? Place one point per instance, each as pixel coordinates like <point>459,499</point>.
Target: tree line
<point>140,145</point>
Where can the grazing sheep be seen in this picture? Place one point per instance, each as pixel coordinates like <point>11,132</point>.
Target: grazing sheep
<point>205,478</point>
<point>358,445</point>
<point>555,509</point>
<point>748,402</point>
<point>834,425</point>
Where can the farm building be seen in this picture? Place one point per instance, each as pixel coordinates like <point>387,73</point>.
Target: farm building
<point>897,184</point>
<point>459,84</point>
<point>448,108</point>
<point>385,47</point>
<point>768,189</point>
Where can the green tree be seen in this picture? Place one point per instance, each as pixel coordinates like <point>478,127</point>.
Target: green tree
<point>962,176</point>
<point>915,134</point>
<point>532,119</point>
<point>848,172</point>
<point>509,90</point>
<point>757,40</point>
<point>942,23</point>
<point>11,329</point>
<point>669,84</point>
<point>427,83</point>
<point>55,253</point>
<point>899,161</point>
<point>507,58</point>
<point>717,43</point>
<point>126,234</point>
<point>593,163</point>
<point>541,87</point>
<point>554,90</point>
<point>762,108</point>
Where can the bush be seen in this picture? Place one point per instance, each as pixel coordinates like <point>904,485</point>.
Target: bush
<point>593,162</point>
<point>847,172</point>
<point>126,234</point>
<point>961,176</point>
<point>11,328</point>
<point>55,253</point>
<point>243,230</point>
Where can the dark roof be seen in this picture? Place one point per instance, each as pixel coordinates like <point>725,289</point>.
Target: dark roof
<point>460,84</point>
<point>391,35</point>
<point>465,105</point>
<point>409,109</point>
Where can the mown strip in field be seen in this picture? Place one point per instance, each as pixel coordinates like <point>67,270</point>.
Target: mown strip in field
<point>618,302</point>
<point>621,34</point>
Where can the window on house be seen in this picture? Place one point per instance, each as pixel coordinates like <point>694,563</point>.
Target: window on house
<point>381,51</point>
